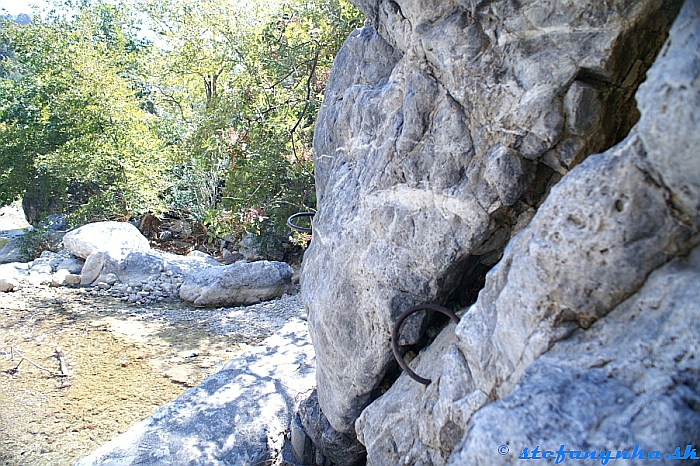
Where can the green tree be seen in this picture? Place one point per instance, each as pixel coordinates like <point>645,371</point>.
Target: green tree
<point>242,88</point>
<point>213,116</point>
<point>74,131</point>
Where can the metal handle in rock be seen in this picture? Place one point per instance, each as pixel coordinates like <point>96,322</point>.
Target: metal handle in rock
<point>291,224</point>
<point>395,336</point>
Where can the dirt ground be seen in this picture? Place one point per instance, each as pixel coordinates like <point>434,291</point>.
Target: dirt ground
<point>123,363</point>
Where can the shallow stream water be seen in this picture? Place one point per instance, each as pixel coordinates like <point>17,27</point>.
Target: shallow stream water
<point>123,363</point>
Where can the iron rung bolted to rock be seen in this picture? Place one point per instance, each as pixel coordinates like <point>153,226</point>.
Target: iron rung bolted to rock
<point>395,336</point>
<point>292,225</point>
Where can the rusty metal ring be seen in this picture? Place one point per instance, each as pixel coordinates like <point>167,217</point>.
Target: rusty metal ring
<point>395,336</point>
<point>291,224</point>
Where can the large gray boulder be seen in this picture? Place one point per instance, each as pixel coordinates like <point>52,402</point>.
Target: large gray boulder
<point>443,127</point>
<point>104,236</point>
<point>131,265</point>
<point>239,283</point>
<point>236,417</point>
<point>581,335</point>
<point>669,101</point>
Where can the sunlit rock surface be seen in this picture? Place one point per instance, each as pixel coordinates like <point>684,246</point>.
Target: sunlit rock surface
<point>444,125</point>
<point>585,333</point>
<point>236,417</point>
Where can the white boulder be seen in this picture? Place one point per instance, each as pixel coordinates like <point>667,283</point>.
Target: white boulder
<point>104,236</point>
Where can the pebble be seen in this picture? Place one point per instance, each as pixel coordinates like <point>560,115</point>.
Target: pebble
<point>157,288</point>
<point>72,279</point>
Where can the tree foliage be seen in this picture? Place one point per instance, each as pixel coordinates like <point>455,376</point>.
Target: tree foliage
<point>73,132</point>
<point>242,87</point>
<point>212,114</point>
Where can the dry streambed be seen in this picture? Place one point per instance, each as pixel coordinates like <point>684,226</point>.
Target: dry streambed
<point>123,363</point>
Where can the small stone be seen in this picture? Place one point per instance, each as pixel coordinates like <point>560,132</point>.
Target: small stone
<point>302,448</point>
<point>6,286</point>
<point>111,278</point>
<point>103,286</point>
<point>42,268</point>
<point>231,257</point>
<point>71,264</point>
<point>55,262</point>
<point>59,278</point>
<point>72,279</point>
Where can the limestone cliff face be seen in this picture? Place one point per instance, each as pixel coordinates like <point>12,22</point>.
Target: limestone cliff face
<point>444,127</point>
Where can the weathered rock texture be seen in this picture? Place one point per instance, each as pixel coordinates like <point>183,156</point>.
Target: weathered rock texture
<point>239,283</point>
<point>581,336</point>
<point>632,379</point>
<point>443,128</point>
<point>315,441</point>
<point>236,417</point>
